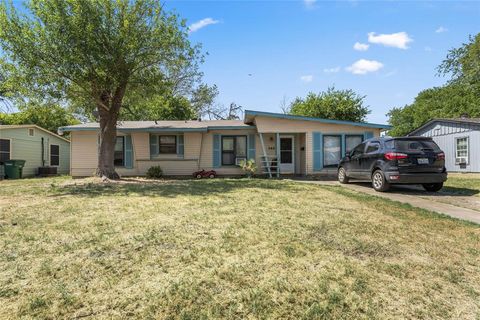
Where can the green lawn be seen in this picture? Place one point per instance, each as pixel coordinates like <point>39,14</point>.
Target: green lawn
<point>463,184</point>
<point>228,249</point>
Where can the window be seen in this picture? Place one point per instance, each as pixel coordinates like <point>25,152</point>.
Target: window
<point>332,150</point>
<point>461,150</point>
<point>351,141</point>
<point>416,145</point>
<point>119,156</point>
<point>54,155</point>
<point>4,150</point>
<point>31,132</point>
<point>373,147</point>
<point>167,144</point>
<point>233,148</point>
<point>358,151</point>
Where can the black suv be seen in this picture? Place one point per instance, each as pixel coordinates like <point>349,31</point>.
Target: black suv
<point>386,161</point>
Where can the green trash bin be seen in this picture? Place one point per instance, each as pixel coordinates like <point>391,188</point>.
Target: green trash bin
<point>13,168</point>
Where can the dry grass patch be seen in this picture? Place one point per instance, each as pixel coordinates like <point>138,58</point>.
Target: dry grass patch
<point>228,249</point>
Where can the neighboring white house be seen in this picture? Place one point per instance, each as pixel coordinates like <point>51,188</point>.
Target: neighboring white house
<point>458,138</point>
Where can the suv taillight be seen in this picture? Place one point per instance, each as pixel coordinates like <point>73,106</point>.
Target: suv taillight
<point>395,156</point>
<point>441,156</point>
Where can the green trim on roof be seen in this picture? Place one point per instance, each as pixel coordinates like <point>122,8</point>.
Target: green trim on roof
<point>64,129</point>
<point>231,127</point>
<point>205,129</point>
<point>293,117</point>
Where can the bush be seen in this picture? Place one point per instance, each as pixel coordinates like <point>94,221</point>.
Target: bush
<point>154,172</point>
<point>249,166</point>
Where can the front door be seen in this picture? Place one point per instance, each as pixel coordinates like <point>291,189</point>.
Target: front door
<point>287,162</point>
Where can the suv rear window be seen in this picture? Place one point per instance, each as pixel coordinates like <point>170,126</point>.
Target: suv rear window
<point>412,145</point>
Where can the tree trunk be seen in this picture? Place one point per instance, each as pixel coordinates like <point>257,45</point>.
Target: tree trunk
<point>106,147</point>
<point>108,135</point>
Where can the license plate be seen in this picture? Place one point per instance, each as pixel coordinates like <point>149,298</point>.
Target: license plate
<point>422,160</point>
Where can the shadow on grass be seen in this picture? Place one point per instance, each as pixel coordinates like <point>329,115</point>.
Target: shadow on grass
<point>170,188</point>
<point>418,190</point>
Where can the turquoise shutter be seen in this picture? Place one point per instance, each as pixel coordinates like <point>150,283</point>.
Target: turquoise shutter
<point>317,151</point>
<point>216,151</point>
<point>180,146</point>
<point>251,147</point>
<point>153,145</point>
<point>128,152</point>
<point>368,135</point>
<point>344,145</point>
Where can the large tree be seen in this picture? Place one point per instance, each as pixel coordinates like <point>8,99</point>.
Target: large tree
<point>331,104</point>
<point>460,96</point>
<point>93,54</point>
<point>463,64</point>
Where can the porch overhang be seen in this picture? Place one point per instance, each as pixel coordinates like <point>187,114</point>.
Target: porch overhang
<point>250,116</point>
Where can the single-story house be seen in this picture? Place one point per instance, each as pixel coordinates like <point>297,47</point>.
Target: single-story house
<point>279,143</point>
<point>458,138</point>
<point>37,146</point>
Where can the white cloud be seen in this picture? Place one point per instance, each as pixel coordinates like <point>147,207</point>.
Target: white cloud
<point>396,40</point>
<point>441,29</point>
<point>363,66</point>
<point>201,24</point>
<point>309,3</point>
<point>307,78</point>
<point>332,70</point>
<point>360,46</point>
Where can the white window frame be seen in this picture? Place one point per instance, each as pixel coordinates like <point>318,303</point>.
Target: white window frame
<point>468,149</point>
<point>11,147</point>
<point>50,155</point>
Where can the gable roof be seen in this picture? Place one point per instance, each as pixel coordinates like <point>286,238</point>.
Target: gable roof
<point>164,126</point>
<point>19,126</point>
<point>251,114</point>
<point>447,120</point>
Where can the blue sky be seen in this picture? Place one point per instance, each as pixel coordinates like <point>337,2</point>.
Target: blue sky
<point>293,47</point>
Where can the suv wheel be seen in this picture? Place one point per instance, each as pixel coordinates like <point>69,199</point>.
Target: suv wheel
<point>433,187</point>
<point>342,175</point>
<point>379,182</point>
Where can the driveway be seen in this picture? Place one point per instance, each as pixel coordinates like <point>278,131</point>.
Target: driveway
<point>456,206</point>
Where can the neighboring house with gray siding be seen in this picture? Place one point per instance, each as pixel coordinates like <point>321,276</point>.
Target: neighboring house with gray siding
<point>37,146</point>
<point>458,138</point>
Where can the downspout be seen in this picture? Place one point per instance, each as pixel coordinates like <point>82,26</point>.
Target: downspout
<point>43,152</point>
<point>200,153</point>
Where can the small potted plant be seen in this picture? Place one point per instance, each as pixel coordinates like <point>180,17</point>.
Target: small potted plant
<point>249,166</point>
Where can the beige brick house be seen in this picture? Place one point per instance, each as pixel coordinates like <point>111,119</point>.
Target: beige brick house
<point>279,143</point>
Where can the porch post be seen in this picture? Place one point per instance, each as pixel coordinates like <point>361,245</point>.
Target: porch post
<point>277,150</point>
<point>265,161</point>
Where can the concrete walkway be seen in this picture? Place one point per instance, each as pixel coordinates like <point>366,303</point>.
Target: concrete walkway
<point>407,194</point>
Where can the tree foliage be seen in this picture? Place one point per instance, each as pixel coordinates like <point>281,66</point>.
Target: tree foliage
<point>331,104</point>
<point>167,106</point>
<point>450,101</point>
<point>47,116</point>
<point>461,96</point>
<point>463,64</point>
<point>93,54</point>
